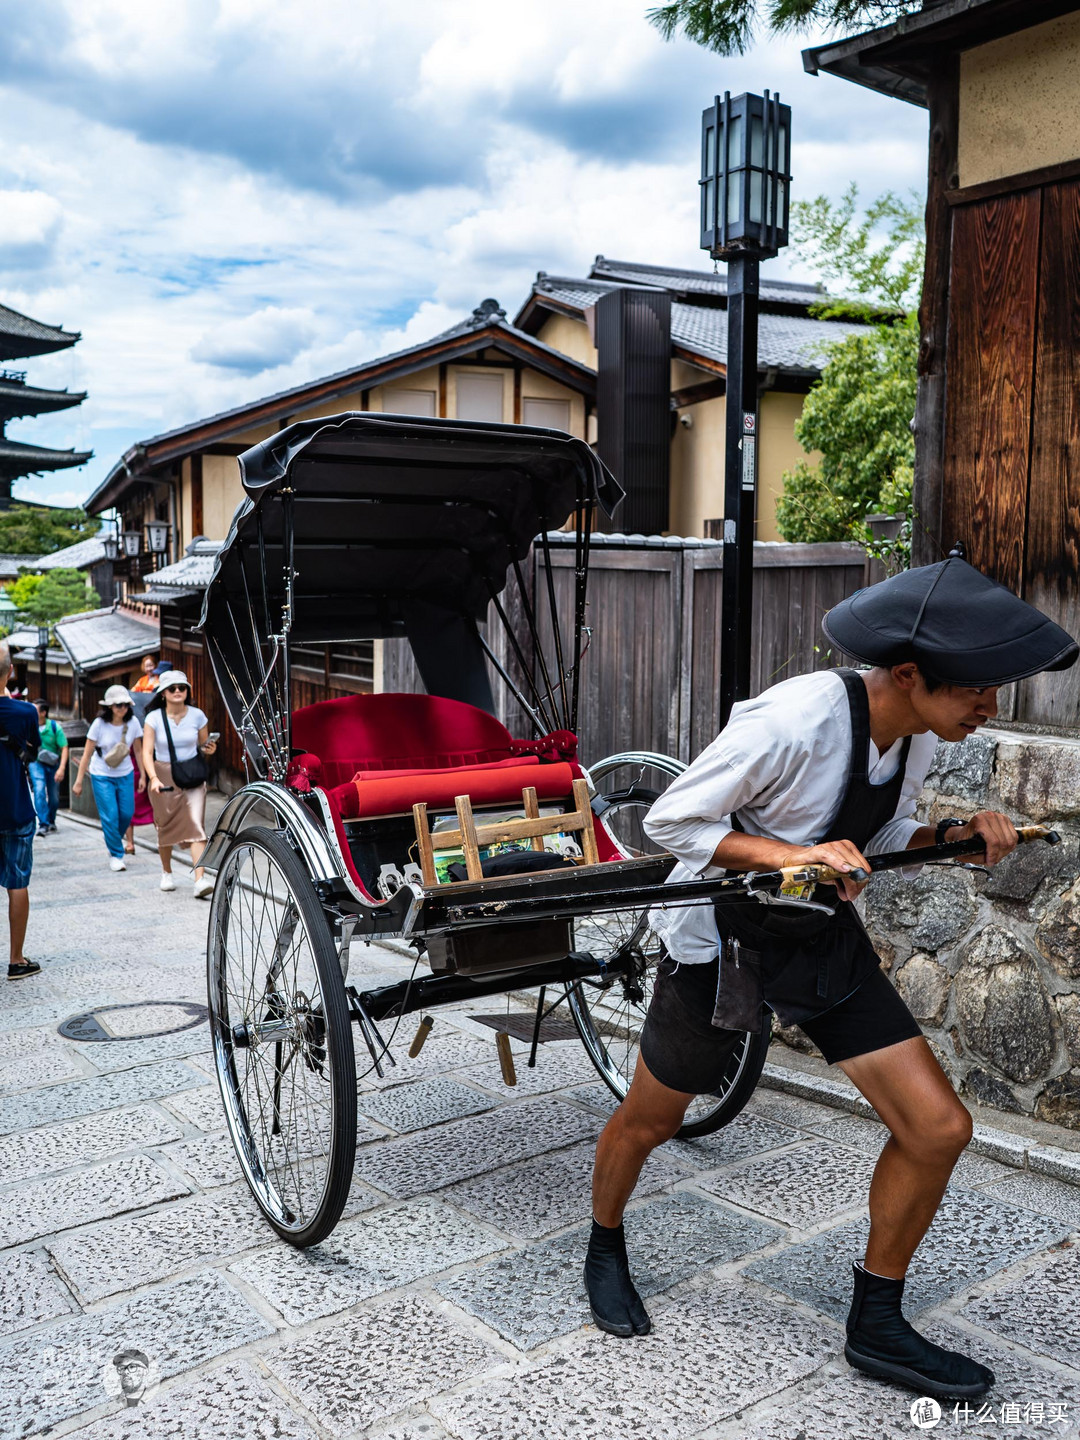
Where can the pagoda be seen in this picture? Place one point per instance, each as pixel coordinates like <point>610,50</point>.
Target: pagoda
<point>20,338</point>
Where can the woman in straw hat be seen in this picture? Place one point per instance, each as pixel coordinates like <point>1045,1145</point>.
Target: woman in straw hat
<point>107,755</point>
<point>175,739</point>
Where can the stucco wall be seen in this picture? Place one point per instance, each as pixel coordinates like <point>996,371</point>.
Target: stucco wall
<point>1018,109</point>
<point>570,336</point>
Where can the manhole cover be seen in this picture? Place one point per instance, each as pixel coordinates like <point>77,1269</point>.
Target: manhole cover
<point>138,1021</point>
<point>521,1026</point>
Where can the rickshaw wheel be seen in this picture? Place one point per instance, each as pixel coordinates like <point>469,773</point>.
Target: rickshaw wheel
<point>609,1017</point>
<point>282,1037</point>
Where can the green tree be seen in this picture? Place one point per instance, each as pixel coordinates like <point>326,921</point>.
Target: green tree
<point>23,591</point>
<point>858,414</point>
<point>27,530</point>
<point>57,593</point>
<point>729,27</point>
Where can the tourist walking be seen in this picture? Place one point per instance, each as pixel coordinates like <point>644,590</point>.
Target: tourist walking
<point>147,681</point>
<point>18,747</point>
<point>48,770</point>
<point>107,755</point>
<point>175,743</point>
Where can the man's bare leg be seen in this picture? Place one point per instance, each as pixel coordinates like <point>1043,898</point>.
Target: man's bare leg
<point>929,1129</point>
<point>18,915</point>
<point>650,1114</point>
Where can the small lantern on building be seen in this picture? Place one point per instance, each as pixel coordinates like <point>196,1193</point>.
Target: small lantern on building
<point>43,637</point>
<point>745,175</point>
<point>157,536</point>
<point>111,545</point>
<point>132,541</point>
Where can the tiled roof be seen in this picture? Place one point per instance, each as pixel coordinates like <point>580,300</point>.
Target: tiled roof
<point>105,637</point>
<point>190,571</point>
<point>20,335</point>
<point>786,342</point>
<point>703,282</point>
<point>17,459</point>
<point>10,565</point>
<point>75,557</point>
<point>17,398</point>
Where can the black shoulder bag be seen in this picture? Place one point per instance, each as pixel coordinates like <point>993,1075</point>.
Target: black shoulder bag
<point>187,774</point>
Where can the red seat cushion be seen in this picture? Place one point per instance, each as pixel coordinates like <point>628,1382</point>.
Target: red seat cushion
<point>485,785</point>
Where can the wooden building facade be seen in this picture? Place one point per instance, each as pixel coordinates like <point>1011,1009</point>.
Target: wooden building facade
<point>998,420</point>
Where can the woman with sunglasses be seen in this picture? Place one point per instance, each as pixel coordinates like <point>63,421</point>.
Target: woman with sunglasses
<point>177,731</point>
<point>108,756</point>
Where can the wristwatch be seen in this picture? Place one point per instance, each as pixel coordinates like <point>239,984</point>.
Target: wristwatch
<point>944,826</point>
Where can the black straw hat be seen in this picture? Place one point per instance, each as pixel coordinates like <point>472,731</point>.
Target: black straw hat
<point>957,624</point>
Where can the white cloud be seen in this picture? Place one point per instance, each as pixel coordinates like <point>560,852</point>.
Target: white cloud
<point>230,197</point>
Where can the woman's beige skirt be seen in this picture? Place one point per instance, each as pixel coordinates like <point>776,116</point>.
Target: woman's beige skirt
<point>178,814</point>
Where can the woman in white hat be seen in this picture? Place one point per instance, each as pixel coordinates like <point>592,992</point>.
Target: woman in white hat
<point>107,755</point>
<point>175,741</point>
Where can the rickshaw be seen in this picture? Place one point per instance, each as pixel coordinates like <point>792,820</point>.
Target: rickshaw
<point>507,864</point>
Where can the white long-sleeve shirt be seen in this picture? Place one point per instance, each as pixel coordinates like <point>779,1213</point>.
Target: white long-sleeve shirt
<point>780,764</point>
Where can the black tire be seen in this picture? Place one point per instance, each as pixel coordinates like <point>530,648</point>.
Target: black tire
<point>609,1015</point>
<point>282,1037</point>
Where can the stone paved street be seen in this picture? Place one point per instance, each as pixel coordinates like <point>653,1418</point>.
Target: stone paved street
<point>448,1303</point>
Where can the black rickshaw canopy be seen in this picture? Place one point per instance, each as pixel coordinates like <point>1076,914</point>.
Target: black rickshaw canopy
<point>366,526</point>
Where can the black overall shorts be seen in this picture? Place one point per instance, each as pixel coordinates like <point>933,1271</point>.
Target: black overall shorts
<point>815,971</point>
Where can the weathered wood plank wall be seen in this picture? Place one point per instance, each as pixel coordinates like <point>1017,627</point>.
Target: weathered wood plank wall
<point>649,677</point>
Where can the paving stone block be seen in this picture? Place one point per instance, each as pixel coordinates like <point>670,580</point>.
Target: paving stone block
<point>29,1292</point>
<point>1058,1163</point>
<point>423,1427</point>
<point>377,1252</point>
<point>1036,1310</point>
<point>869,1136</point>
<point>233,1402</point>
<point>199,1106</point>
<point>746,1135</point>
<point>1000,1145</point>
<point>1040,1193</point>
<point>79,1142</point>
<point>856,1405</point>
<point>30,1071</point>
<point>534,1198</point>
<point>557,1066</point>
<point>80,1196</point>
<point>415,1164</point>
<point>800,1187</point>
<point>532,1295</point>
<point>211,1160</point>
<point>126,1254</point>
<point>972,1170</point>
<point>444,1051</point>
<point>712,1352</point>
<point>598,1096</point>
<point>64,1370</point>
<point>972,1236</point>
<point>838,1094</point>
<point>790,1110</point>
<point>423,1103</point>
<point>109,1055</point>
<point>50,1013</point>
<point>97,1092</point>
<point>18,1044</point>
<point>372,1365</point>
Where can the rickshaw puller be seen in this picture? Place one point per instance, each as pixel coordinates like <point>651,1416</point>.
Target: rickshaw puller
<point>843,756</point>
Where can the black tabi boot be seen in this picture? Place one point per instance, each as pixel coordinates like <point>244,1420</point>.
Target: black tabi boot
<point>881,1342</point>
<point>616,1306</point>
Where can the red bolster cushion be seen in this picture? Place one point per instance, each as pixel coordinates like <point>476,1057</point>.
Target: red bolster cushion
<point>484,765</point>
<point>485,786</point>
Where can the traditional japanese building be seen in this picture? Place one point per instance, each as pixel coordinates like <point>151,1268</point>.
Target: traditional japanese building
<point>23,338</point>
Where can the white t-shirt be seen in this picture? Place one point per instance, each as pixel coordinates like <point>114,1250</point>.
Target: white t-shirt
<point>105,735</point>
<point>781,764</point>
<point>185,733</point>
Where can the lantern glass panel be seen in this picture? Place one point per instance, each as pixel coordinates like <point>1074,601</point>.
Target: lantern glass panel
<point>781,150</point>
<point>43,637</point>
<point>734,198</point>
<point>112,549</point>
<point>734,142</point>
<point>755,206</point>
<point>757,141</point>
<point>710,149</point>
<point>132,543</point>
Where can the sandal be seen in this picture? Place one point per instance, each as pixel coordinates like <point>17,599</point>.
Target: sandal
<point>21,968</point>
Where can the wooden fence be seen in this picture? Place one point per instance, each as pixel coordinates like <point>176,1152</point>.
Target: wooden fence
<point>649,677</point>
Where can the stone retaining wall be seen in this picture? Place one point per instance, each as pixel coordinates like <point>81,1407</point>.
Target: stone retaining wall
<point>990,963</point>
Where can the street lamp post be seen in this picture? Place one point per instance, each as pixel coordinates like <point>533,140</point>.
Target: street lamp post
<point>745,187</point>
<point>43,652</point>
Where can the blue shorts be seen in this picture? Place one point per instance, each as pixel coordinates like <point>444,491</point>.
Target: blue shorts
<point>16,857</point>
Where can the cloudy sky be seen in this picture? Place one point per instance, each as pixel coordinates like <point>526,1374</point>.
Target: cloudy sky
<point>228,197</point>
